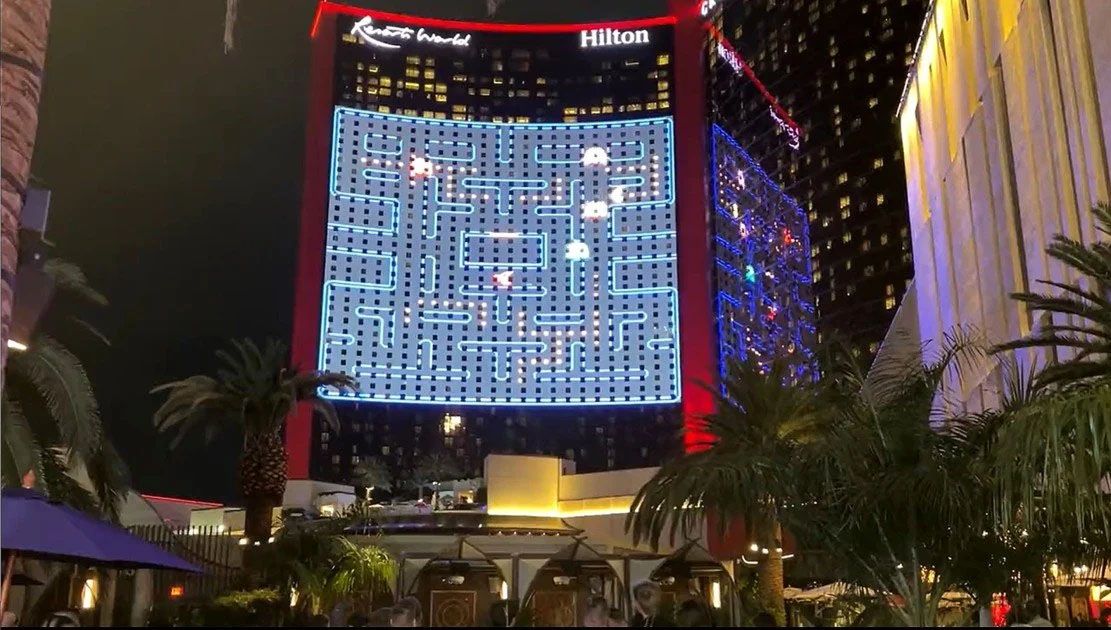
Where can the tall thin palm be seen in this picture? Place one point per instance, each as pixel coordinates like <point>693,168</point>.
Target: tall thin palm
<point>253,391</point>
<point>745,472</point>
<point>1079,314</point>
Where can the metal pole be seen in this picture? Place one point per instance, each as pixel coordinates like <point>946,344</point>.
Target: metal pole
<point>9,568</point>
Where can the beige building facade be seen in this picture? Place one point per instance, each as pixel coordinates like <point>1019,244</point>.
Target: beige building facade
<point>1005,124</point>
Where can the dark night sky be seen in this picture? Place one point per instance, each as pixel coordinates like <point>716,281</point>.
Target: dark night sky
<point>176,176</point>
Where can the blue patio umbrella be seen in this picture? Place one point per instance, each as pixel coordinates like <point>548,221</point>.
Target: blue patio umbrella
<point>35,527</point>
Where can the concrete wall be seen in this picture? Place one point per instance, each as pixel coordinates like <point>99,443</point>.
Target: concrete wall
<point>517,484</point>
<point>1005,132</point>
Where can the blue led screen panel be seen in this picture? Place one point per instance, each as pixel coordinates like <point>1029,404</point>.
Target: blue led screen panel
<point>501,264</point>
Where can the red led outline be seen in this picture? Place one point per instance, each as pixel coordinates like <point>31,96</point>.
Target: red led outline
<point>495,27</point>
<point>782,113</point>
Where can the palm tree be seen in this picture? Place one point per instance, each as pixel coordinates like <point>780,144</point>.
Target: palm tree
<point>51,420</point>
<point>317,561</point>
<point>1079,315</point>
<point>254,391</point>
<point>432,469</point>
<point>746,472</point>
<point>372,473</point>
<point>1056,452</point>
<point>23,32</point>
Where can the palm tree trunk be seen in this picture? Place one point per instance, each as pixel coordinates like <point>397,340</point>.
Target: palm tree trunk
<point>259,517</point>
<point>769,574</point>
<point>23,32</point>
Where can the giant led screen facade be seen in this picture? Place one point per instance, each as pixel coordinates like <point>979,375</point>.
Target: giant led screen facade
<point>763,306</point>
<point>501,263</point>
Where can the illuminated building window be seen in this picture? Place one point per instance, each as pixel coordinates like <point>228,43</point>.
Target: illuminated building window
<point>869,54</point>
<point>413,59</point>
<point>541,81</point>
<point>661,85</point>
<point>877,163</point>
<point>484,92</point>
<point>567,111</point>
<point>663,60</point>
<point>429,73</point>
<point>452,423</point>
<point>889,303</point>
<point>846,213</point>
<point>411,85</point>
<point>845,201</point>
<point>842,178</point>
<point>441,88</point>
<point>570,119</point>
<point>813,216</point>
<point>664,104</point>
<point>384,109</point>
<point>386,81</point>
<point>412,72</point>
<point>846,237</point>
<point>441,98</point>
<point>872,102</point>
<point>499,81</point>
<point>883,239</point>
<point>880,199</point>
<point>825,221</point>
<point>428,87</point>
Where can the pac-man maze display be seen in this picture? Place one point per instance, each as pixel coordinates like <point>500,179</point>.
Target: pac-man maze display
<point>501,264</point>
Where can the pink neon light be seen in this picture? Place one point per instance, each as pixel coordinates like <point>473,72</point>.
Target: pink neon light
<point>776,107</point>
<point>194,503</point>
<point>495,27</point>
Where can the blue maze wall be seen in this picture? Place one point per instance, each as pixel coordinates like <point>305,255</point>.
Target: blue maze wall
<point>501,264</point>
<point>763,304</point>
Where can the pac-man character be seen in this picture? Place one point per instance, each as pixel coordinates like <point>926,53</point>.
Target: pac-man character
<point>420,167</point>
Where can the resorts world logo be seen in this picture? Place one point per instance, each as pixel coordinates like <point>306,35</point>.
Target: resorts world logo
<point>373,35</point>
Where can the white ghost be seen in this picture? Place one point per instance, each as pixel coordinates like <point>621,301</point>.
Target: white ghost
<point>617,194</point>
<point>577,250</point>
<point>595,156</point>
<point>595,210</point>
<point>503,278</point>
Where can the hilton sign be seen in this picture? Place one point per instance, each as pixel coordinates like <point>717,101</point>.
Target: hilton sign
<point>603,37</point>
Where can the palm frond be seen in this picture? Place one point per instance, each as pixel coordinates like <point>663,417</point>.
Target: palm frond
<point>22,449</point>
<point>110,479</point>
<point>60,380</point>
<point>70,278</point>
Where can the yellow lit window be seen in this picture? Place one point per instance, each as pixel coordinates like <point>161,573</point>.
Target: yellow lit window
<point>634,107</point>
<point>661,85</point>
<point>458,117</point>
<point>570,119</point>
<point>386,81</point>
<point>813,215</point>
<point>869,54</point>
<point>846,213</point>
<point>872,102</point>
<point>359,89</point>
<point>461,78</point>
<point>880,199</point>
<point>428,87</point>
<point>522,119</point>
<point>383,109</point>
<point>412,85</point>
<point>413,60</point>
<point>844,202</point>
<point>541,81</point>
<point>412,73</point>
<point>568,111</point>
<point>409,112</point>
<point>595,110</point>
<point>498,80</point>
<point>889,303</point>
<point>877,163</point>
<point>429,73</point>
<point>846,237</point>
<point>607,109</point>
<point>441,98</point>
<point>651,105</point>
<point>372,68</point>
<point>484,91</point>
<point>440,115</point>
<point>459,108</point>
<point>664,104</point>
<point>663,60</point>
<point>385,92</point>
<point>842,178</point>
<point>441,88</point>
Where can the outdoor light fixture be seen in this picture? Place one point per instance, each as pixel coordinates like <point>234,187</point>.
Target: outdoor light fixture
<point>715,594</point>
<point>455,580</point>
<point>293,598</point>
<point>89,591</point>
<point>17,346</point>
<point>504,590</point>
<point>177,591</point>
<point>243,541</point>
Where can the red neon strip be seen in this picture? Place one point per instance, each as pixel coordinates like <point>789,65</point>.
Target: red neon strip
<point>194,503</point>
<point>316,19</point>
<point>782,113</point>
<point>493,27</point>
